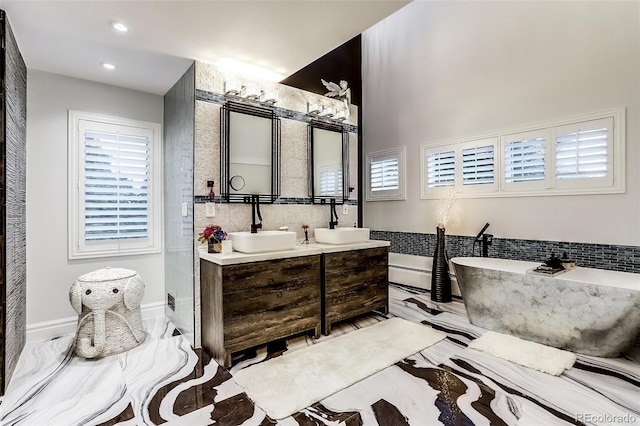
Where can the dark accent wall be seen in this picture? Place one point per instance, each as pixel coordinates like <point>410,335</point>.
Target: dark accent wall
<point>599,256</point>
<point>342,63</point>
<point>178,154</point>
<point>13,165</point>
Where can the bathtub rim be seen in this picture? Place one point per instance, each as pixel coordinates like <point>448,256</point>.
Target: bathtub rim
<point>602,277</point>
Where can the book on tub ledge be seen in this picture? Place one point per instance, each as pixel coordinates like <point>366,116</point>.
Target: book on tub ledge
<point>547,271</point>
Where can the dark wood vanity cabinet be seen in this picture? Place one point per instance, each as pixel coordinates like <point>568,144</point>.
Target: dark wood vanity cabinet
<point>249,304</point>
<point>354,282</point>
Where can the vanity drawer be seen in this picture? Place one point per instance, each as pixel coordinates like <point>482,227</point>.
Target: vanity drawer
<point>355,282</point>
<point>250,304</point>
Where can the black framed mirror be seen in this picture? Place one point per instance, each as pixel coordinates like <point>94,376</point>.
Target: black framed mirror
<point>328,152</point>
<point>249,153</point>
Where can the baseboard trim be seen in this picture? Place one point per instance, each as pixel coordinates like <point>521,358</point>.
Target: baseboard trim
<point>60,327</point>
<point>415,271</point>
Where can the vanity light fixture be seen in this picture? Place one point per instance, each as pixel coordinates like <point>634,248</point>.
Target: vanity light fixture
<point>269,96</point>
<point>232,87</point>
<point>340,115</point>
<point>108,66</point>
<point>251,91</point>
<point>313,107</point>
<point>327,111</point>
<point>120,27</point>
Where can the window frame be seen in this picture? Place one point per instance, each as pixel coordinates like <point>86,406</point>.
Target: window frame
<point>614,183</point>
<point>398,194</point>
<point>78,247</point>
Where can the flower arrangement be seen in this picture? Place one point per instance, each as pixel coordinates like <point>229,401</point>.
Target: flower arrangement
<point>212,233</point>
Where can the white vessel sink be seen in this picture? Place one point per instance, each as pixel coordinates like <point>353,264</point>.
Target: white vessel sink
<point>343,235</point>
<point>262,241</point>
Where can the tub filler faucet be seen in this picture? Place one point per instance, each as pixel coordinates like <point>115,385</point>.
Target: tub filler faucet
<point>332,223</point>
<point>484,240</point>
<point>255,209</point>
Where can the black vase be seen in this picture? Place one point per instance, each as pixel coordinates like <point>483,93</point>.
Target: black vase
<point>440,280</point>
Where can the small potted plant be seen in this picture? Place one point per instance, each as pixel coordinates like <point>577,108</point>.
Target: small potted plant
<point>213,236</point>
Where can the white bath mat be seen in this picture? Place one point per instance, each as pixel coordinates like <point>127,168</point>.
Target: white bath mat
<point>523,352</point>
<point>289,383</point>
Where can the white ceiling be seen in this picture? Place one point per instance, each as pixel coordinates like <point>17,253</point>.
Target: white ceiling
<point>73,37</point>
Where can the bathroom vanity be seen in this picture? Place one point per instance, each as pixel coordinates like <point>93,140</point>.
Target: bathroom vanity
<point>252,299</point>
<point>354,281</point>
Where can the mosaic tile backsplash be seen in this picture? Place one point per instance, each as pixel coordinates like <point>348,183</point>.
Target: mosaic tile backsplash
<point>600,256</point>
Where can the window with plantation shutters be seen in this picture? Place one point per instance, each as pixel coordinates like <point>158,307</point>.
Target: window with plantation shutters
<point>582,150</point>
<point>115,186</point>
<point>384,175</point>
<point>578,155</point>
<point>385,171</point>
<point>478,165</point>
<point>441,169</point>
<point>524,160</point>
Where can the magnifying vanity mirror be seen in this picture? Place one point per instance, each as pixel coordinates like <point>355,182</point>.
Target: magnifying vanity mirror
<point>250,153</point>
<point>328,162</point>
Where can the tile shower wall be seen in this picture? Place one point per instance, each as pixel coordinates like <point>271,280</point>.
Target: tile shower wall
<point>178,190</point>
<point>13,272</point>
<point>600,256</point>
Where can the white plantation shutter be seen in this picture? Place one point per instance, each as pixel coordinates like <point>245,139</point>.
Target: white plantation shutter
<point>524,160</point>
<point>330,181</point>
<point>583,150</point>
<point>578,155</point>
<point>385,172</point>
<point>116,186</point>
<point>441,169</point>
<point>478,165</point>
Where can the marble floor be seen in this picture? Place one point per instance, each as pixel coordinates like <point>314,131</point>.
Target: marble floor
<point>164,381</point>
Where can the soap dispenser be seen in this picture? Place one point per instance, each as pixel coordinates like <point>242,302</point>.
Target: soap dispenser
<point>212,195</point>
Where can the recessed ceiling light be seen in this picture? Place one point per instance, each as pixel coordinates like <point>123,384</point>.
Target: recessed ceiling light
<point>120,27</point>
<point>108,66</point>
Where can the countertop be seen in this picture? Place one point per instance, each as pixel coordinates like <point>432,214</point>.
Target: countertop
<point>335,248</point>
<point>300,250</point>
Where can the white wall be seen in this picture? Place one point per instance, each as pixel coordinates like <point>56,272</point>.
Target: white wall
<point>49,273</point>
<point>437,71</point>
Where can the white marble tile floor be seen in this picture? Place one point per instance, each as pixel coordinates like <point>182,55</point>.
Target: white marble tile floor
<point>165,381</point>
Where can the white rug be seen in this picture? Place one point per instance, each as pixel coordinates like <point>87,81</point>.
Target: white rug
<point>289,383</point>
<point>523,352</point>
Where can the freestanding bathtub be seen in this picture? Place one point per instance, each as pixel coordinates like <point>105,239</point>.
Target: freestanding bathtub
<point>589,311</point>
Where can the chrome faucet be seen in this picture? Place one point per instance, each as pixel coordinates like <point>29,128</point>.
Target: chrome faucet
<point>332,223</point>
<point>255,208</point>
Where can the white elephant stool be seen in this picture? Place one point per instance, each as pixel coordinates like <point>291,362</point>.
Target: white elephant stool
<point>108,306</point>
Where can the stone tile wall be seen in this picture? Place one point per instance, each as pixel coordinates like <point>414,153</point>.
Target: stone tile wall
<point>13,283</point>
<point>600,256</point>
<point>294,207</point>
